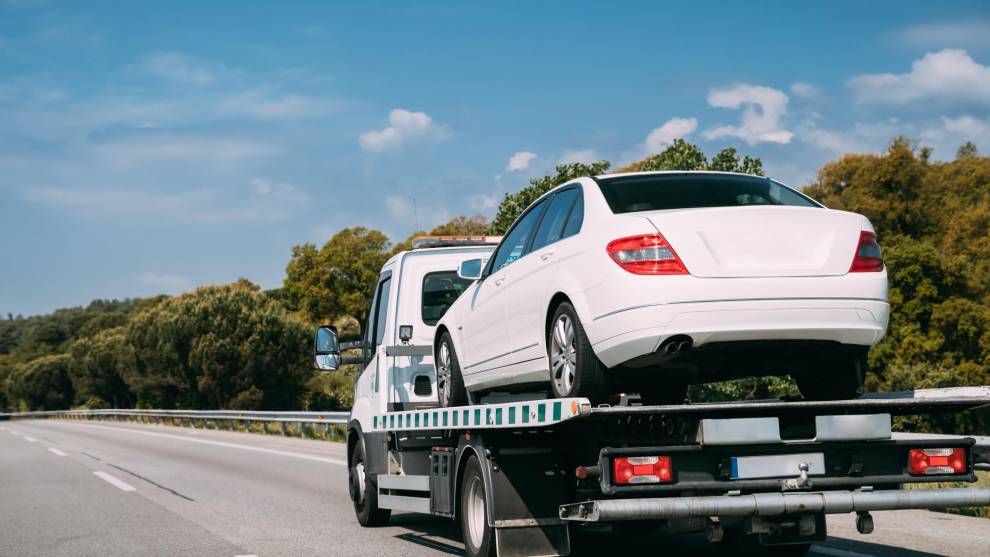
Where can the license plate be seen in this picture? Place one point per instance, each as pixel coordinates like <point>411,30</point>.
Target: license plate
<point>776,466</point>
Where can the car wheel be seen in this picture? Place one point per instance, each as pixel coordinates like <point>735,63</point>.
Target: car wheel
<point>479,537</point>
<point>450,383</point>
<point>575,370</point>
<point>364,491</point>
<point>836,379</point>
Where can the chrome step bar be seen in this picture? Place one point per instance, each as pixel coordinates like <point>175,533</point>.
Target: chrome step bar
<point>773,504</point>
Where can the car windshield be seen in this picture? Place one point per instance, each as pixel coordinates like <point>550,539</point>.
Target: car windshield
<point>653,192</point>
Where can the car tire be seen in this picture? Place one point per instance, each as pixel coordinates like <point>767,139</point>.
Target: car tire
<point>364,491</point>
<point>450,382</point>
<point>835,379</point>
<point>479,536</point>
<point>575,370</point>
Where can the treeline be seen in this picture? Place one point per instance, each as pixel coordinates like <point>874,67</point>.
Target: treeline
<point>234,346</point>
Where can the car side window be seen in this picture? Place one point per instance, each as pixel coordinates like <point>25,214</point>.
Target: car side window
<point>514,245</point>
<point>576,217</point>
<point>552,226</point>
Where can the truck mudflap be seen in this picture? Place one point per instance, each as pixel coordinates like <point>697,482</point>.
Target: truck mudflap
<point>772,504</point>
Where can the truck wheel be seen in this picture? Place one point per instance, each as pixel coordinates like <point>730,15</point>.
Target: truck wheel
<point>364,492</point>
<point>575,370</point>
<point>479,537</point>
<point>835,379</point>
<point>450,384</point>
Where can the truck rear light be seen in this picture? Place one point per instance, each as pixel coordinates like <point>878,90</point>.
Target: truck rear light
<point>649,254</point>
<point>641,470</point>
<point>923,462</point>
<point>868,256</point>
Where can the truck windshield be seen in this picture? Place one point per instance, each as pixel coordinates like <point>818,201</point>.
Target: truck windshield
<point>439,292</point>
<point>630,194</point>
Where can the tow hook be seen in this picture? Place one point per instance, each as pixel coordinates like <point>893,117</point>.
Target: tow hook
<point>802,481</point>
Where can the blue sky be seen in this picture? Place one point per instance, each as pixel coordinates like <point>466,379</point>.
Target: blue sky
<point>147,148</point>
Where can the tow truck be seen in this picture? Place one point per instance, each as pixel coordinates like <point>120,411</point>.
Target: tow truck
<point>520,471</point>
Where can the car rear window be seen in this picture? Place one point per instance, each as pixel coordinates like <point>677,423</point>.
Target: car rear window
<point>630,194</point>
<point>439,292</point>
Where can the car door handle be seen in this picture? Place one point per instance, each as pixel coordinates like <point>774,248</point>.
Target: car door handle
<point>499,281</point>
<point>546,256</point>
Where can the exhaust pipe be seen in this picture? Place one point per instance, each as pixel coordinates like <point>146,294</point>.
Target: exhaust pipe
<point>675,346</point>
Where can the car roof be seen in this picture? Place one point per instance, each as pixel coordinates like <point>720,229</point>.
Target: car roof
<point>700,172</point>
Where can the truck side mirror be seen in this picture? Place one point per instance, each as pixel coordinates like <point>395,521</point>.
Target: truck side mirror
<point>471,269</point>
<point>326,352</point>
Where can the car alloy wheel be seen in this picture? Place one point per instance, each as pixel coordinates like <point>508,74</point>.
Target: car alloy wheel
<point>563,354</point>
<point>443,374</point>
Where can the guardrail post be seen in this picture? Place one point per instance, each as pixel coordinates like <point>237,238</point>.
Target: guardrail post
<point>283,427</point>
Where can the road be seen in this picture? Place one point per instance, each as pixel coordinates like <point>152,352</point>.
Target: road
<point>76,488</point>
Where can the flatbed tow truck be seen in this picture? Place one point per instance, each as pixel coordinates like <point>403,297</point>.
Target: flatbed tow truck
<point>519,472</point>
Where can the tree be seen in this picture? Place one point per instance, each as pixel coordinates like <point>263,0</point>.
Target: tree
<point>681,155</point>
<point>226,346</point>
<point>339,278</point>
<point>43,383</point>
<point>96,368</point>
<point>967,149</point>
<point>514,204</point>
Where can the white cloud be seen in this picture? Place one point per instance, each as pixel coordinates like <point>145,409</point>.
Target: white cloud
<point>675,128</point>
<point>973,33</point>
<point>403,125</point>
<point>859,138</point>
<point>144,149</point>
<point>586,156</point>
<point>520,161</point>
<point>257,105</point>
<point>484,203</point>
<point>953,132</point>
<point>944,77</point>
<point>173,66</point>
<point>165,283</point>
<point>805,90</point>
<point>762,107</point>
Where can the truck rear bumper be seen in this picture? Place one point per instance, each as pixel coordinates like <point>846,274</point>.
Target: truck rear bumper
<point>772,504</point>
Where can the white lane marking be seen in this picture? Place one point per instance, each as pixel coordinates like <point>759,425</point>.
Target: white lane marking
<point>301,456</point>
<point>833,552</point>
<point>123,486</point>
<point>251,555</point>
<point>14,432</point>
<point>31,439</point>
<point>56,452</point>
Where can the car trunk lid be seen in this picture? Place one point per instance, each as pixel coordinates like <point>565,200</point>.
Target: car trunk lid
<point>761,241</point>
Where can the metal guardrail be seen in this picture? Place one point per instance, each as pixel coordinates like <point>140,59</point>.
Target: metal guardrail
<point>202,418</point>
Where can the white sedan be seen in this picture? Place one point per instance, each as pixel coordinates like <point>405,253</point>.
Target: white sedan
<point>648,282</point>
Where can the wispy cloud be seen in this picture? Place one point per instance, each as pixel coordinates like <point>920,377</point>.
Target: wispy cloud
<point>404,126</point>
<point>939,79</point>
<point>181,68</point>
<point>164,283</point>
<point>258,105</point>
<point>520,161</point>
<point>804,90</point>
<point>762,107</point>
<point>971,33</point>
<point>585,156</point>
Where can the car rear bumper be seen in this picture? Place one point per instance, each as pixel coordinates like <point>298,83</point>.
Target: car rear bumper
<point>622,335</point>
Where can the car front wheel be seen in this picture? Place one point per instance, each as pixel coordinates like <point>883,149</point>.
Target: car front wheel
<point>575,370</point>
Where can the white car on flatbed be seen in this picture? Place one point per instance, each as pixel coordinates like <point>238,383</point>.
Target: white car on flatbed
<point>648,282</point>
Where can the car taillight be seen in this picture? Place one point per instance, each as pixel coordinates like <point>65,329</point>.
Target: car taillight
<point>649,254</point>
<point>936,461</point>
<point>641,470</point>
<point>868,257</point>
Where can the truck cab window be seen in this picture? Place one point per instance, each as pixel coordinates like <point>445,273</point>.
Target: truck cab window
<point>439,292</point>
<point>382,310</point>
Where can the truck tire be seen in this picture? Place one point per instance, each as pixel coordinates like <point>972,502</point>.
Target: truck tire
<point>450,383</point>
<point>479,537</point>
<point>575,370</point>
<point>834,379</point>
<point>364,491</point>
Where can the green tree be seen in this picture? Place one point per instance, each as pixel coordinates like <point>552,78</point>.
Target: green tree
<point>967,149</point>
<point>513,204</point>
<point>681,155</point>
<point>43,383</point>
<point>339,278</point>
<point>95,369</point>
<point>224,346</point>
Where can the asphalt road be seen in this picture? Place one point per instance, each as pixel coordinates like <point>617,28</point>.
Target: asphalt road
<point>75,488</point>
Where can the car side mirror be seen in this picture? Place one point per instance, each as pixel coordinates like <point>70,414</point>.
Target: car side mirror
<point>326,352</point>
<point>471,269</point>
